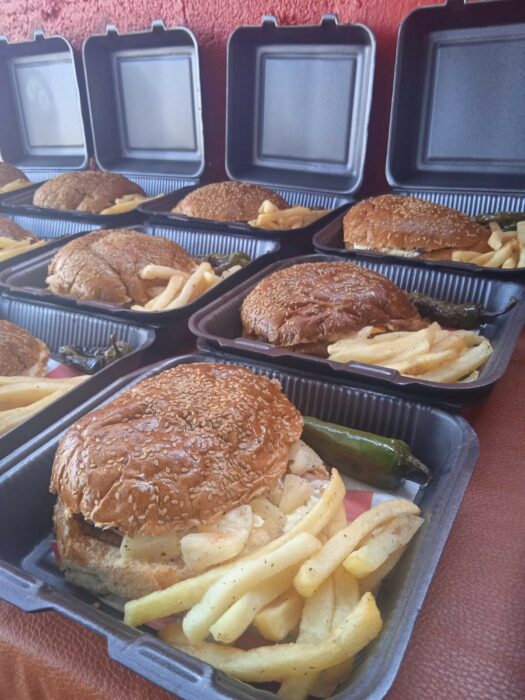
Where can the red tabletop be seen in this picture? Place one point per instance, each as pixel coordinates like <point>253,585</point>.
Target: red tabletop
<point>469,641</point>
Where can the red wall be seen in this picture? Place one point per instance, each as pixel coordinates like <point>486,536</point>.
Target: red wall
<point>212,21</point>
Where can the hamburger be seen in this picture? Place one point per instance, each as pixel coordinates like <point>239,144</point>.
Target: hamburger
<point>172,476</point>
<point>89,191</point>
<point>21,354</point>
<point>308,306</point>
<point>227,201</point>
<point>411,227</point>
<point>10,229</point>
<point>105,265</point>
<point>11,178</point>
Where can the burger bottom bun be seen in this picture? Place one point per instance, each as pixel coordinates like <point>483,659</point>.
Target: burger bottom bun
<point>99,568</point>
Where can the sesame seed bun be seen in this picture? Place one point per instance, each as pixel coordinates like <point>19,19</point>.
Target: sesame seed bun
<point>306,307</point>
<point>411,224</point>
<point>8,173</point>
<point>89,190</point>
<point>176,451</point>
<point>21,353</point>
<point>10,229</point>
<point>227,201</point>
<point>105,265</point>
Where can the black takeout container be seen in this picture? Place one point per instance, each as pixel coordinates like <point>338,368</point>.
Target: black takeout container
<point>456,126</point>
<point>41,128</point>
<point>218,324</point>
<point>56,327</point>
<point>28,279</point>
<point>298,104</point>
<point>144,109</point>
<point>30,580</point>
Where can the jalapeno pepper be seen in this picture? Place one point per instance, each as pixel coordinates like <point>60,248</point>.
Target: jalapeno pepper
<point>91,360</point>
<point>466,316</point>
<point>379,461</point>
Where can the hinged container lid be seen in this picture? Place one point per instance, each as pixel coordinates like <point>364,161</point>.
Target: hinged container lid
<point>298,104</point>
<point>41,127</point>
<point>145,103</point>
<point>458,107</point>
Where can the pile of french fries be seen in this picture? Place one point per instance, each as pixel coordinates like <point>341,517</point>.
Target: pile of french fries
<point>271,217</point>
<point>178,288</point>
<point>309,593</point>
<point>128,202</point>
<point>14,185</point>
<point>10,248</point>
<point>21,397</point>
<point>508,247</point>
<point>433,353</point>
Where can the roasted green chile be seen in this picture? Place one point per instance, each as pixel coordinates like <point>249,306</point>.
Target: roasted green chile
<point>506,219</point>
<point>92,359</point>
<point>220,263</point>
<point>378,461</point>
<point>466,316</point>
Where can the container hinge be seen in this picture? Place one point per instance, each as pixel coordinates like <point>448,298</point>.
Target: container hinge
<point>457,5</point>
<point>269,21</point>
<point>158,25</point>
<point>39,34</point>
<point>330,18</point>
<point>111,29</point>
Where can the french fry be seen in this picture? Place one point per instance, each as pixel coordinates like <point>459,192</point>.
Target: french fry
<point>14,185</point>
<point>20,395</point>
<point>240,579</point>
<point>423,363</point>
<point>278,661</point>
<point>190,287</point>
<point>521,241</point>
<point>158,272</point>
<point>181,596</point>
<point>270,217</point>
<point>11,252</point>
<point>373,352</point>
<point>473,358</point>
<point>321,565</point>
<point>236,620</point>
<point>315,626</point>
<point>372,582</point>
<point>464,255</point>
<point>338,522</point>
<point>376,550</point>
<point>13,417</point>
<point>163,300</point>
<point>26,379</point>
<point>498,258</point>
<point>280,618</point>
<point>495,241</point>
<point>127,203</point>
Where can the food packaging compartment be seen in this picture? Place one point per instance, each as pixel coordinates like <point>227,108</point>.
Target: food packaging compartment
<point>56,327</point>
<point>219,325</point>
<point>30,580</point>
<point>41,128</point>
<point>29,279</point>
<point>458,108</point>
<point>55,232</point>
<point>312,158</point>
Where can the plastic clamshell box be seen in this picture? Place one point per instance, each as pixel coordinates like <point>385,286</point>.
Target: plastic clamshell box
<point>313,157</point>
<point>458,108</point>
<point>29,279</point>
<point>41,128</point>
<point>30,579</point>
<point>57,327</point>
<point>143,91</point>
<point>219,325</point>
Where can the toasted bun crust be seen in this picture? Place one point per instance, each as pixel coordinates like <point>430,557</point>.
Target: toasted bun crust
<point>314,304</point>
<point>227,201</point>
<point>177,450</point>
<point>8,173</point>
<point>21,353</point>
<point>408,223</point>
<point>106,265</point>
<point>98,566</point>
<point>90,190</point>
<point>10,229</point>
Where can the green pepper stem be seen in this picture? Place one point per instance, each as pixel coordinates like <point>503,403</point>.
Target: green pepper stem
<point>412,464</point>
